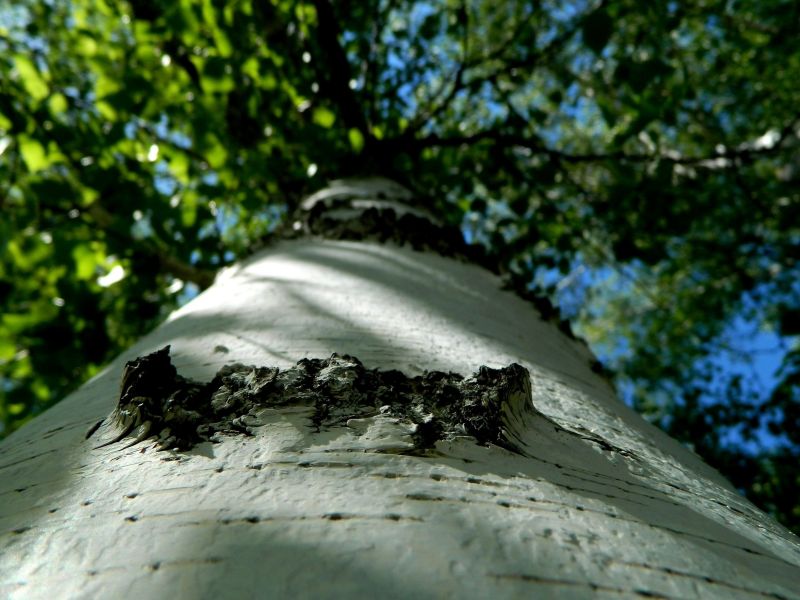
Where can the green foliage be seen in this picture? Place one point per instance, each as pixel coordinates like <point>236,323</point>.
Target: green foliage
<point>652,147</point>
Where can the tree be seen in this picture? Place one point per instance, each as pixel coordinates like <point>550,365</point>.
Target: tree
<point>634,162</point>
<point>365,484</point>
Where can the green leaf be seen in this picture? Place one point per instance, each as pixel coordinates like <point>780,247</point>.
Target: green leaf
<point>608,111</point>
<point>58,103</point>
<point>520,205</point>
<point>106,86</point>
<point>179,166</point>
<point>324,117</point>
<point>16,409</point>
<point>216,74</point>
<point>17,323</point>
<point>623,71</point>
<point>189,209</point>
<point>106,110</point>
<point>85,262</point>
<point>182,20</point>
<point>597,29</point>
<point>430,26</point>
<point>33,153</point>
<point>538,115</point>
<point>51,192</point>
<point>356,140</point>
<point>221,40</point>
<point>478,205</point>
<point>7,349</point>
<point>789,320</point>
<point>216,155</point>
<point>32,80</point>
<point>250,67</point>
<point>86,45</point>
<point>638,75</point>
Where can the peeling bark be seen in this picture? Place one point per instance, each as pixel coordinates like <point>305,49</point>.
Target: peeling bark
<point>158,405</point>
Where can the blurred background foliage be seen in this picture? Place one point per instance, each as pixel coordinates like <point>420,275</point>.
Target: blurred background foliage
<point>638,162</point>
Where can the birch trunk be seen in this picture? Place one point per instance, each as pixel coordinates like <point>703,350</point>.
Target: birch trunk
<point>592,503</point>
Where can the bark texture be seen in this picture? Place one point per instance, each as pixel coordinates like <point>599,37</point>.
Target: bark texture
<point>586,500</point>
<point>156,403</point>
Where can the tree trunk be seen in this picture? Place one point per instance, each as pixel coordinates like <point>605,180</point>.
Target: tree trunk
<point>575,495</point>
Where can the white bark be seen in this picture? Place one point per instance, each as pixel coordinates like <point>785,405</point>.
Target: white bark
<point>292,513</point>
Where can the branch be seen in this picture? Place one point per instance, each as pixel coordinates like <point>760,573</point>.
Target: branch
<point>173,45</point>
<point>534,60</point>
<point>144,10</point>
<point>14,160</point>
<point>432,113</point>
<point>106,221</point>
<point>337,85</point>
<point>500,49</point>
<point>163,141</point>
<point>169,264</point>
<point>458,80</point>
<point>371,74</point>
<point>408,144</point>
<point>529,62</point>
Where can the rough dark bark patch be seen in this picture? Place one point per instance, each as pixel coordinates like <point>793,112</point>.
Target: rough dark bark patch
<point>383,225</point>
<point>156,402</point>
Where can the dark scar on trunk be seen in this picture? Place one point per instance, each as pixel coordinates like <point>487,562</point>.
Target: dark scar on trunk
<point>159,405</point>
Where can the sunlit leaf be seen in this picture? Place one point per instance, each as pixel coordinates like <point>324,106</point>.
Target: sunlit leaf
<point>33,153</point>
<point>324,117</point>
<point>32,80</point>
<point>58,103</point>
<point>356,140</point>
<point>85,262</point>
